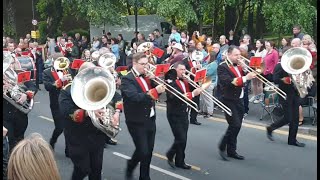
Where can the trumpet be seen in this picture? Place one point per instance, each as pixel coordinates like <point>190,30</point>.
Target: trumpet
<point>171,89</point>
<point>204,85</point>
<point>259,76</point>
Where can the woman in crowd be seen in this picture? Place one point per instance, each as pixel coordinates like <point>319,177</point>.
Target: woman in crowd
<point>115,48</point>
<point>270,60</point>
<point>256,84</point>
<point>32,158</point>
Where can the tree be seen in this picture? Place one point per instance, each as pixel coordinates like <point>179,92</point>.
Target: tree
<point>52,12</point>
<point>282,15</point>
<point>10,22</point>
<point>98,12</point>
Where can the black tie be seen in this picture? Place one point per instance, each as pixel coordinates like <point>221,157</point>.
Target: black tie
<point>235,64</point>
<point>142,75</point>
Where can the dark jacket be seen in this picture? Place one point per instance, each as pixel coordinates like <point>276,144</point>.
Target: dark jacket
<point>136,103</point>
<point>48,81</point>
<point>174,104</point>
<point>226,80</point>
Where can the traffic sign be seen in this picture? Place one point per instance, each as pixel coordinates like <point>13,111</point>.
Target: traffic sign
<point>34,22</point>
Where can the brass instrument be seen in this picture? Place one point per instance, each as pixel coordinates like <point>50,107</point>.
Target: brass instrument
<point>258,75</point>
<point>62,64</point>
<point>203,86</point>
<point>95,56</point>
<point>11,90</point>
<point>171,89</point>
<point>93,88</point>
<point>147,48</point>
<point>296,61</point>
<point>107,60</point>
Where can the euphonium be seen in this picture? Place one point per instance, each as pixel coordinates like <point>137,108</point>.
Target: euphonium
<point>93,88</point>
<point>11,90</point>
<point>296,61</point>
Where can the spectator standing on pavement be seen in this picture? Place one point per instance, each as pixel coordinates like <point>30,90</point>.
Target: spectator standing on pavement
<point>175,35</point>
<point>122,46</point>
<point>158,38</point>
<point>95,44</point>
<point>296,30</point>
<point>134,39</point>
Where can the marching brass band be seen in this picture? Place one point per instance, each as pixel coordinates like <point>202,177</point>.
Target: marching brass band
<point>86,106</point>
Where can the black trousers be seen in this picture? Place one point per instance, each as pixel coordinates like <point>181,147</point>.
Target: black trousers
<point>86,156</point>
<point>229,140</point>
<point>143,136</point>
<point>291,116</point>
<point>58,124</point>
<point>179,126</point>
<point>16,123</point>
<point>193,113</point>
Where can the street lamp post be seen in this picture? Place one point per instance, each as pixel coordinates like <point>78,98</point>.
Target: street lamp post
<point>136,15</point>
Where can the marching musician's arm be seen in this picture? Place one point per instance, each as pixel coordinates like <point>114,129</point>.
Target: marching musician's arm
<point>227,80</point>
<point>129,90</point>
<point>31,89</point>
<point>69,109</point>
<point>117,102</point>
<point>278,76</point>
<point>49,84</point>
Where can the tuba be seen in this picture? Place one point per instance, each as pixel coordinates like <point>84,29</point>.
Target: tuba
<point>11,90</point>
<point>93,88</point>
<point>296,62</point>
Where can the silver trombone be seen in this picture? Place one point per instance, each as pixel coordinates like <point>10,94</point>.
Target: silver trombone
<point>171,89</point>
<point>260,77</point>
<point>206,93</point>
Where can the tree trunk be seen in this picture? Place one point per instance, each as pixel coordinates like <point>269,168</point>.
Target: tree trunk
<point>11,19</point>
<point>173,20</point>
<point>55,14</point>
<point>250,19</point>
<point>259,21</point>
<point>128,8</point>
<point>229,19</point>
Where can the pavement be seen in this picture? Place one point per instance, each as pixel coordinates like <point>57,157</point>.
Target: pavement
<point>255,112</point>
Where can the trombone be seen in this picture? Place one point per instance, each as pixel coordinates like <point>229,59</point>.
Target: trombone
<point>206,93</point>
<point>260,77</point>
<point>171,89</point>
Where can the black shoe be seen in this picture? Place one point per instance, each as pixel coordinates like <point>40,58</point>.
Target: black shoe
<point>299,144</point>
<point>52,143</point>
<point>269,134</point>
<point>223,155</point>
<point>236,156</point>
<point>112,142</point>
<point>183,166</point>
<point>170,160</point>
<point>195,122</point>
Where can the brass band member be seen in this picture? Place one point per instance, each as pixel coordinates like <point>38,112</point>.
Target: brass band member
<point>139,98</point>
<point>177,114</point>
<point>13,119</point>
<point>290,107</point>
<point>85,141</point>
<point>232,79</point>
<point>54,80</point>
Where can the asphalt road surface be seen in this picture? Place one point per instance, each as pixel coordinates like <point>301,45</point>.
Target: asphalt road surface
<point>265,160</point>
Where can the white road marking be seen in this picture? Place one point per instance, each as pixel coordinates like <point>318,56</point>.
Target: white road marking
<point>46,118</point>
<point>37,102</point>
<point>156,168</point>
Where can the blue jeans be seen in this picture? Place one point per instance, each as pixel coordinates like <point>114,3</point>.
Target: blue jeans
<point>5,148</point>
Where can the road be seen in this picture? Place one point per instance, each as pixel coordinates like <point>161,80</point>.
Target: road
<point>265,160</point>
